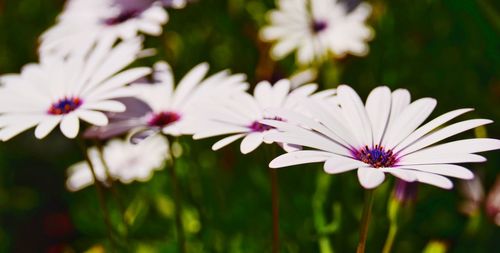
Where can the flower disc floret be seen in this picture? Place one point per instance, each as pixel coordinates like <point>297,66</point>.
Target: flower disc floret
<point>164,119</point>
<point>65,105</point>
<point>377,156</point>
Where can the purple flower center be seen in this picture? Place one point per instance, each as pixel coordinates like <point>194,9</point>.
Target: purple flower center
<point>319,26</point>
<point>377,157</point>
<point>65,106</point>
<point>163,119</point>
<point>122,17</point>
<point>256,126</point>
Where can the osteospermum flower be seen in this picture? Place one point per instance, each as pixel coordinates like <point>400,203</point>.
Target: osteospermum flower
<point>240,116</point>
<point>317,29</point>
<point>123,161</point>
<point>84,22</point>
<point>174,111</point>
<point>382,136</point>
<point>61,91</point>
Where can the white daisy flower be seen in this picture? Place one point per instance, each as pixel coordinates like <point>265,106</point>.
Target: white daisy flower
<point>65,90</point>
<point>382,136</point>
<point>174,111</point>
<point>125,162</point>
<point>241,115</point>
<point>316,29</point>
<point>84,22</point>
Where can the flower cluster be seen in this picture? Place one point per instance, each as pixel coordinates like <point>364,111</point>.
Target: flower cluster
<point>87,77</point>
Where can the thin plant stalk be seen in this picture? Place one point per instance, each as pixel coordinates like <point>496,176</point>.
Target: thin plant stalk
<point>365,221</point>
<point>114,191</point>
<point>177,201</point>
<point>275,209</point>
<point>391,235</point>
<point>100,195</point>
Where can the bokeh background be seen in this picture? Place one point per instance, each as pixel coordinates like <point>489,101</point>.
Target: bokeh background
<point>449,50</point>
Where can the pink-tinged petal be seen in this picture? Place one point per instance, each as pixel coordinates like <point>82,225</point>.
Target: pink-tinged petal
<point>299,157</point>
<point>70,125</point>
<point>339,164</point>
<point>46,126</point>
<point>307,139</point>
<point>370,178</point>
<point>433,179</point>
<point>411,117</point>
<point>93,117</point>
<point>421,158</point>
<point>450,170</point>
<point>119,80</point>
<point>226,141</point>
<point>251,142</point>
<point>378,106</point>
<point>219,129</point>
<point>355,114</point>
<point>431,125</point>
<point>444,133</point>
<point>401,173</point>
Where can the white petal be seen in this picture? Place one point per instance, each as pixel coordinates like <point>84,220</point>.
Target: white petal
<point>338,164</point>
<point>432,158</point>
<point>46,126</point>
<point>355,114</point>
<point>431,125</point>
<point>251,142</point>
<point>469,146</point>
<point>226,141</point>
<point>370,178</point>
<point>399,101</point>
<point>450,170</point>
<point>299,157</point>
<point>187,84</point>
<point>433,179</point>
<point>378,106</point>
<point>444,133</point>
<point>410,118</point>
<point>70,125</point>
<point>406,175</point>
<point>105,106</point>
<point>93,117</point>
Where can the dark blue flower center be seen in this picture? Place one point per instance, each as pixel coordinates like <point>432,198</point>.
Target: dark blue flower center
<point>256,126</point>
<point>65,105</point>
<point>319,26</point>
<point>377,156</point>
<point>163,119</point>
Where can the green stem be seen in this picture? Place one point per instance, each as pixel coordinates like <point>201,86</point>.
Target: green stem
<point>393,229</point>
<point>114,191</point>
<point>275,210</point>
<point>100,196</point>
<point>177,201</point>
<point>365,221</point>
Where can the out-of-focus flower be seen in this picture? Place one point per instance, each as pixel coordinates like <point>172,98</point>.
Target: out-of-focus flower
<point>240,116</point>
<point>382,136</point>
<point>493,202</point>
<point>84,22</point>
<point>126,162</point>
<point>65,90</point>
<point>473,192</point>
<point>174,111</point>
<point>317,29</point>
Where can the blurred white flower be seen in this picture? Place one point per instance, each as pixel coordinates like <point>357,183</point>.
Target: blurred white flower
<point>84,22</point>
<point>317,29</point>
<point>175,111</point>
<point>65,90</point>
<point>125,162</point>
<point>382,136</point>
<point>240,116</point>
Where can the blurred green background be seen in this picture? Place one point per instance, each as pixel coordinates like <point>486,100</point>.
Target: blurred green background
<point>449,50</point>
